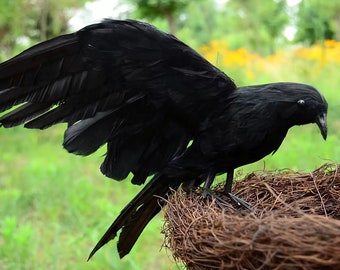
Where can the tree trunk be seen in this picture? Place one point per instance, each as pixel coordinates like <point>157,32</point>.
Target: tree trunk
<point>337,25</point>
<point>171,22</point>
<point>43,23</point>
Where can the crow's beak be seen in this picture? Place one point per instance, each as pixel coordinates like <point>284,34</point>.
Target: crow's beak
<point>321,121</point>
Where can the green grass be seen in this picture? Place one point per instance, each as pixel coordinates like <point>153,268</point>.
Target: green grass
<point>55,206</point>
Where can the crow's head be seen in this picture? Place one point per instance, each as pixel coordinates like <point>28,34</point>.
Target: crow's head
<point>300,104</point>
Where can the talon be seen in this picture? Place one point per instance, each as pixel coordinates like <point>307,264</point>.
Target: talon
<point>218,200</point>
<point>240,202</point>
<point>205,193</point>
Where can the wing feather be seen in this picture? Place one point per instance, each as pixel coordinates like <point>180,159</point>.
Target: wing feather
<point>124,83</point>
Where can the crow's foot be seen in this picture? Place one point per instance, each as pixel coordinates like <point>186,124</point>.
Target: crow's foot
<point>239,202</point>
<point>221,203</point>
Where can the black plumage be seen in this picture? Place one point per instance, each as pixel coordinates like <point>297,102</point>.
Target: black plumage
<point>160,108</point>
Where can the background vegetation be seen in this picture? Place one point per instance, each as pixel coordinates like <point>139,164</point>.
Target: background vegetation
<point>55,206</point>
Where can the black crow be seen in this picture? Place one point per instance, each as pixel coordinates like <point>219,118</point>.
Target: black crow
<point>161,109</point>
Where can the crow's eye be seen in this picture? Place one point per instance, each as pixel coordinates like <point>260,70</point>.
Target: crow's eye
<point>301,102</point>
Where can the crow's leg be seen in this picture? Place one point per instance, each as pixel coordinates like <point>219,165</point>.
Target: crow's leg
<point>189,184</point>
<point>207,184</point>
<point>207,191</point>
<point>227,191</point>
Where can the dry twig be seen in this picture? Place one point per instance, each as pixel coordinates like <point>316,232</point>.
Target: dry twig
<point>296,224</point>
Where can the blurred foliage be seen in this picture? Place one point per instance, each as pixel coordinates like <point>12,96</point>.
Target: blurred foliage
<point>318,20</point>
<point>314,21</point>
<point>248,63</point>
<point>25,22</point>
<point>168,9</point>
<point>242,23</point>
<point>54,206</point>
<point>259,24</point>
<point>246,24</point>
<point>324,52</point>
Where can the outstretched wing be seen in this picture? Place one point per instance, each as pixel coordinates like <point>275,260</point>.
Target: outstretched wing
<point>124,83</point>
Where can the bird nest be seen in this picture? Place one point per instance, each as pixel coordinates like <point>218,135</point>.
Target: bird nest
<point>295,223</point>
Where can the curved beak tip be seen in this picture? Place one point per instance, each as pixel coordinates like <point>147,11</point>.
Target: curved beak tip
<point>321,121</point>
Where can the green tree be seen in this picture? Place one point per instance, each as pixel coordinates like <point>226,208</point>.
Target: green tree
<point>168,9</point>
<point>199,23</point>
<point>333,9</point>
<point>32,21</point>
<point>261,25</point>
<point>11,24</point>
<point>318,20</point>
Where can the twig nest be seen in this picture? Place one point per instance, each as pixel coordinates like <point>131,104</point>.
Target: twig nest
<point>295,224</point>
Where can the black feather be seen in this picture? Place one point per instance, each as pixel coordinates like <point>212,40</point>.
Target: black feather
<point>96,130</point>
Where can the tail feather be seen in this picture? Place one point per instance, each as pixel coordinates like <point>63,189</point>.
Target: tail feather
<point>137,214</point>
<point>137,223</point>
